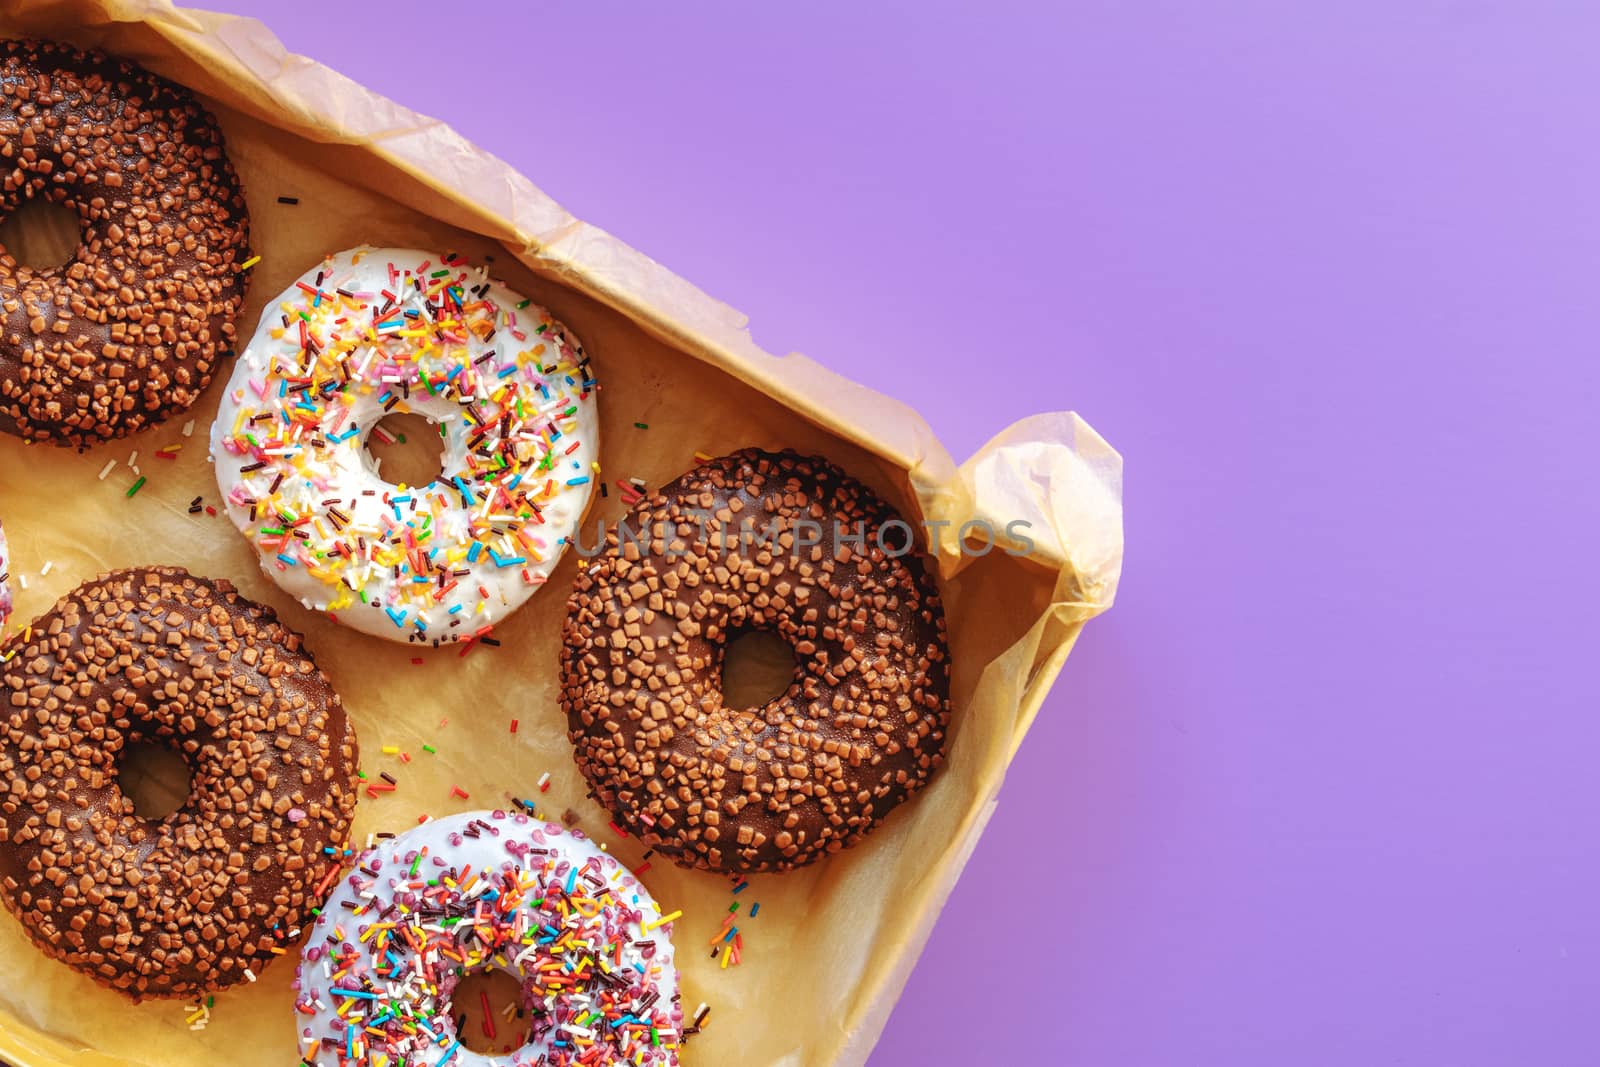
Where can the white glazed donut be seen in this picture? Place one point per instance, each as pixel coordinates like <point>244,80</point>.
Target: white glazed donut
<point>373,331</point>
<point>478,891</point>
<point>5,578</point>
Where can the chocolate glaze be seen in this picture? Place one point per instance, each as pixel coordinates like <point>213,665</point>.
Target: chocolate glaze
<point>861,727</point>
<point>186,904</point>
<point>129,332</point>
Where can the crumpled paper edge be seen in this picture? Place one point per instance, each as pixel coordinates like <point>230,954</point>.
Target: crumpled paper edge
<point>1052,470</point>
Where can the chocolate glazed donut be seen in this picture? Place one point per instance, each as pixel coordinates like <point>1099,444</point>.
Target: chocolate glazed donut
<point>129,331</point>
<point>861,727</point>
<point>199,900</point>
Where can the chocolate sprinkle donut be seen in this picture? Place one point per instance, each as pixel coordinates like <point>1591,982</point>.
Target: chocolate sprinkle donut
<point>130,330</point>
<point>199,900</point>
<point>756,541</point>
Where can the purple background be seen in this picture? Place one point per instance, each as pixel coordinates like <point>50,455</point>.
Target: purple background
<point>1320,790</point>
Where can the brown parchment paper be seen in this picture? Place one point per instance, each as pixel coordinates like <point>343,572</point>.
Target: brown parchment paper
<point>833,944</point>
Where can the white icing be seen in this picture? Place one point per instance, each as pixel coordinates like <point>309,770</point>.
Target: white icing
<point>5,574</point>
<point>513,393</point>
<point>344,944</point>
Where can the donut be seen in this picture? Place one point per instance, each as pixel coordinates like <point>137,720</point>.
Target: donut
<point>5,579</point>
<point>489,891</point>
<point>373,331</point>
<point>756,541</point>
<point>129,332</point>
<point>204,898</point>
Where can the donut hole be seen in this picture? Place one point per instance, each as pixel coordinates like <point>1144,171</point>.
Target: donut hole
<point>502,992</point>
<point>406,450</point>
<point>154,777</point>
<point>41,234</point>
<point>758,667</point>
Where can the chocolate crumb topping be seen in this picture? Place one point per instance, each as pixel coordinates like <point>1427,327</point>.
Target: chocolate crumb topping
<point>186,904</point>
<point>129,332</point>
<point>725,549</point>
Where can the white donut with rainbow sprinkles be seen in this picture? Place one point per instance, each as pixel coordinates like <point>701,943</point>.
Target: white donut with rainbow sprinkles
<point>489,891</point>
<point>375,331</point>
<point>5,578</point>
